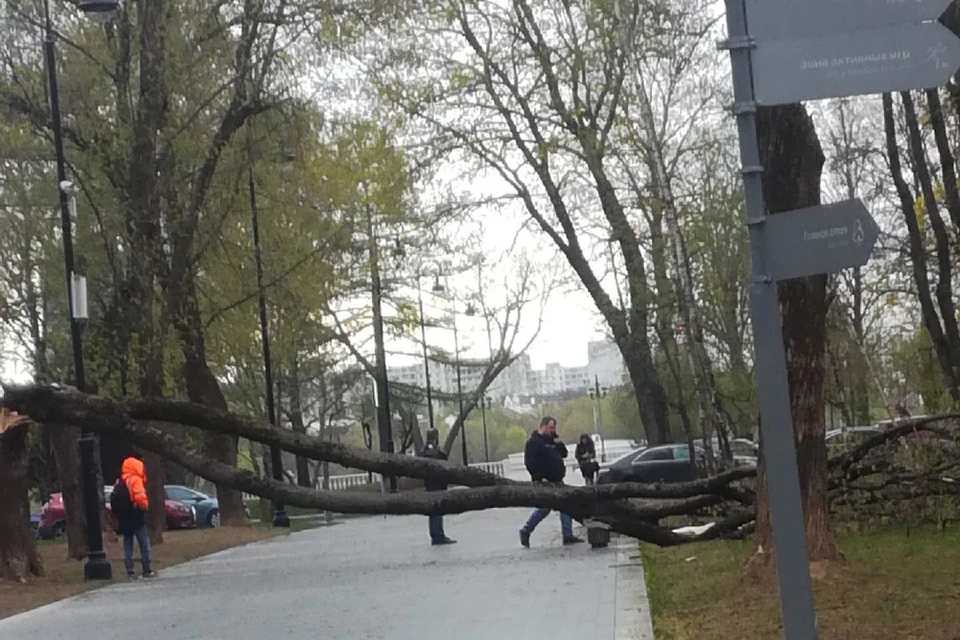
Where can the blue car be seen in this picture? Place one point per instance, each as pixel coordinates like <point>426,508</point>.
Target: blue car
<point>207,508</point>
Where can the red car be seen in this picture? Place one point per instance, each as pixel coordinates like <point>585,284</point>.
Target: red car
<point>53,523</point>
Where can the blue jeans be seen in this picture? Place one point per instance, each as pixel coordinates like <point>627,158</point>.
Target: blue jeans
<point>143,539</point>
<point>436,528</point>
<point>538,515</point>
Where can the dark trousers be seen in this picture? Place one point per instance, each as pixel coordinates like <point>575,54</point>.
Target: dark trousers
<point>143,539</point>
<point>436,528</point>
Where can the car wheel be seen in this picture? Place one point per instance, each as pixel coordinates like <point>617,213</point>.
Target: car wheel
<point>213,520</point>
<point>59,531</point>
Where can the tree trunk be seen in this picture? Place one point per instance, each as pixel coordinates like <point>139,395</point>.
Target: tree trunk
<point>713,415</point>
<point>918,251</point>
<point>203,388</point>
<point>157,513</point>
<point>665,318</point>
<point>19,559</point>
<point>792,159</point>
<point>66,452</point>
<point>296,418</point>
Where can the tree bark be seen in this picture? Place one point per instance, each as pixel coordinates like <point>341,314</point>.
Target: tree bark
<point>792,159</point>
<point>296,418</point>
<point>19,559</point>
<point>156,513</point>
<point>203,388</point>
<point>66,452</point>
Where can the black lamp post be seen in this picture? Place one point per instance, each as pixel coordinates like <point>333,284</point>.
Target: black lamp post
<point>484,403</point>
<point>426,361</point>
<point>599,394</point>
<point>470,312</point>
<point>439,288</point>
<point>383,386</point>
<point>96,567</point>
<point>280,518</point>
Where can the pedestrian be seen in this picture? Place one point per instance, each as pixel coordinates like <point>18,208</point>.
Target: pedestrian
<point>432,450</point>
<point>586,455</point>
<point>129,504</point>
<point>543,456</point>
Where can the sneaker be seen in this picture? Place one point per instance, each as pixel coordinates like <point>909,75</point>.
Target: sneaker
<point>132,576</point>
<point>572,540</point>
<point>525,538</point>
<point>149,574</point>
<point>443,541</point>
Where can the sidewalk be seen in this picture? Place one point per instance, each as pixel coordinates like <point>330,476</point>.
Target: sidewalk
<point>373,578</point>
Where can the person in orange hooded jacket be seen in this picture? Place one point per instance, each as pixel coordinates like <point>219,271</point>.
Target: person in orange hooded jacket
<point>131,516</point>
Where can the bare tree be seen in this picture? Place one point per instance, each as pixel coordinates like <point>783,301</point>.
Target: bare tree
<point>541,93</point>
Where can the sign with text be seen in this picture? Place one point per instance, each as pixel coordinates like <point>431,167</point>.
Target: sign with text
<point>773,20</point>
<point>822,239</point>
<point>918,56</point>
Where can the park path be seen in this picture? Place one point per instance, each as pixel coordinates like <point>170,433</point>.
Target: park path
<point>372,578</point>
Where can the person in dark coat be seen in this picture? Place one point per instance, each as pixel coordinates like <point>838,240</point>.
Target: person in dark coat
<point>431,449</point>
<point>543,456</point>
<point>586,455</point>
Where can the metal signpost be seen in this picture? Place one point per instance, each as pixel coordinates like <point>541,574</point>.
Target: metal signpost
<point>848,64</point>
<point>794,51</point>
<point>821,239</point>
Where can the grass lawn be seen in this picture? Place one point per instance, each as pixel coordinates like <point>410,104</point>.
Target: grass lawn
<point>893,585</point>
<point>65,577</point>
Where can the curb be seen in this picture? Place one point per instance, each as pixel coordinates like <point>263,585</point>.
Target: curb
<point>633,619</point>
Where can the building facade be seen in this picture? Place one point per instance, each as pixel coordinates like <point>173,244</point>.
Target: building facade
<point>604,364</point>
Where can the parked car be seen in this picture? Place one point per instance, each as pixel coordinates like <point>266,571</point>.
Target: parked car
<point>744,451</point>
<point>666,463</point>
<point>53,523</point>
<point>207,508</point>
<point>180,515</point>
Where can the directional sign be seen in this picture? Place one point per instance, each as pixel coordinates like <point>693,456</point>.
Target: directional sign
<point>821,239</point>
<point>779,19</point>
<point>915,56</point>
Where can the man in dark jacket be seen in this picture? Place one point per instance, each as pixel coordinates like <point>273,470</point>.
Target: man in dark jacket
<point>543,456</point>
<point>431,449</point>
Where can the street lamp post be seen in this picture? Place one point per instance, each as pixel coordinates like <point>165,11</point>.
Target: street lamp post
<point>280,518</point>
<point>383,387</point>
<point>439,288</point>
<point>484,403</point>
<point>96,566</point>
<point>426,361</point>
<point>463,422</point>
<point>599,394</point>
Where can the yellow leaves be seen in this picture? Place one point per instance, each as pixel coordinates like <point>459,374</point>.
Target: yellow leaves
<point>919,210</point>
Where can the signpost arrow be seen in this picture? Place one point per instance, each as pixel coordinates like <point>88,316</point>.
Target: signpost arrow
<point>913,56</point>
<point>821,239</point>
<point>773,20</point>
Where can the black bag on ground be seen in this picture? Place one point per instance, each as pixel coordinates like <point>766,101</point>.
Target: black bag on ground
<point>120,499</point>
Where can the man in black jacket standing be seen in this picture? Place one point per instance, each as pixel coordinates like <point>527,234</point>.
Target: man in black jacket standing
<point>431,449</point>
<point>543,456</point>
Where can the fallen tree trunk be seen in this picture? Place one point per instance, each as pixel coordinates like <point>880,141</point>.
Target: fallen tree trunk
<point>48,404</point>
<point>605,503</point>
<point>145,423</point>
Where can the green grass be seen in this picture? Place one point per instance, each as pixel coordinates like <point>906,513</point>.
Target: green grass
<point>893,585</point>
